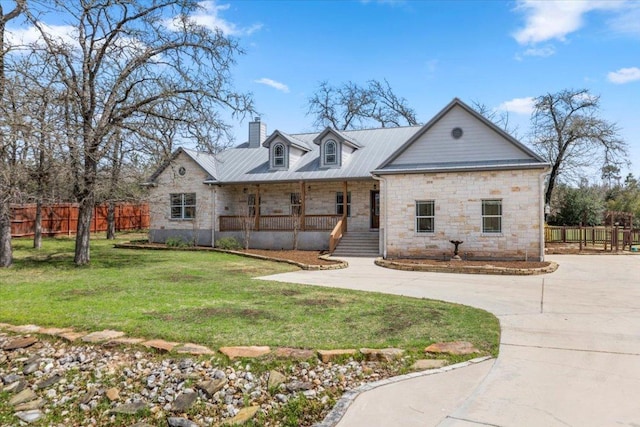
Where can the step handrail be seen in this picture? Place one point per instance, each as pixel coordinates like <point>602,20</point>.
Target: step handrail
<point>336,234</point>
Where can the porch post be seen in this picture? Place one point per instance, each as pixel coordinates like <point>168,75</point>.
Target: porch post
<point>303,197</point>
<point>345,198</point>
<point>257,209</point>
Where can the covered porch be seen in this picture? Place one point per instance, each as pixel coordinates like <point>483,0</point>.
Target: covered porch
<point>316,214</point>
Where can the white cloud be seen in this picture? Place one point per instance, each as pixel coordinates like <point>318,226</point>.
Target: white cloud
<point>518,105</point>
<point>209,17</point>
<point>627,21</point>
<point>553,19</point>
<point>624,75</point>
<point>541,52</point>
<point>274,84</point>
<point>29,35</point>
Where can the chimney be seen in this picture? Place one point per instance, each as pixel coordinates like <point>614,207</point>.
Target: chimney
<point>257,133</point>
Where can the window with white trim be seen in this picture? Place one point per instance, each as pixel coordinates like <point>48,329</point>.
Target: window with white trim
<point>251,205</point>
<point>425,216</point>
<point>330,153</point>
<point>340,203</point>
<point>492,216</point>
<point>279,156</point>
<point>296,204</point>
<point>183,205</point>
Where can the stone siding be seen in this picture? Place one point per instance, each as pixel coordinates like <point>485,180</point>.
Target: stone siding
<point>458,214</point>
<point>171,182</point>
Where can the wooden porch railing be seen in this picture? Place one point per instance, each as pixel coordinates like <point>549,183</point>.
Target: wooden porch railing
<point>610,237</point>
<point>280,223</point>
<point>337,233</point>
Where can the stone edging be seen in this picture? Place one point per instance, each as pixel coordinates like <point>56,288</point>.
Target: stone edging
<point>340,408</point>
<point>553,266</point>
<point>337,266</point>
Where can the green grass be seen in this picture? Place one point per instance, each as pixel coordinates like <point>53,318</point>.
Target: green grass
<point>212,299</point>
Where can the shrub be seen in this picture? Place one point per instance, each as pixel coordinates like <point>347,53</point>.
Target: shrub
<point>177,242</point>
<point>228,243</point>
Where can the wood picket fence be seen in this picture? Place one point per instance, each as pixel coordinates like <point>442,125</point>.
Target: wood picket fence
<point>62,218</point>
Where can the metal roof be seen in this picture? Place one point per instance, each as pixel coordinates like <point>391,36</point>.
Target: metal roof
<point>375,151</point>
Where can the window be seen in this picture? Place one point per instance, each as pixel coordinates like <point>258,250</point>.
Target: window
<point>330,153</point>
<point>296,204</point>
<point>251,205</point>
<point>278,156</point>
<point>492,216</point>
<point>425,216</point>
<point>183,206</point>
<point>340,203</point>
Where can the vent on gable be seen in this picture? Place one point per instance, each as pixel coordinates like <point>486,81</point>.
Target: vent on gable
<point>456,133</point>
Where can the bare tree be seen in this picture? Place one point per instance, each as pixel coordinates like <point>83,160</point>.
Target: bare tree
<point>352,106</point>
<point>568,132</point>
<point>125,62</point>
<point>6,253</point>
<point>500,119</point>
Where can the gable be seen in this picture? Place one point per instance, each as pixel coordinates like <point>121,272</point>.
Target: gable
<point>475,143</point>
<point>185,165</point>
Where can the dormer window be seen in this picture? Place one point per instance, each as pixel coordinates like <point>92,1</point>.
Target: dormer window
<point>279,155</point>
<point>330,153</point>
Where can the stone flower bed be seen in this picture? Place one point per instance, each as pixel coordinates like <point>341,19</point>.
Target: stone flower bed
<point>78,384</point>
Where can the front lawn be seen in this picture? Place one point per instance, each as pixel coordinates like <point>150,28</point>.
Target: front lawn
<point>212,299</point>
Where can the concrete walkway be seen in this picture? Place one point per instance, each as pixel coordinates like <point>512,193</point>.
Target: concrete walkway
<point>569,352</point>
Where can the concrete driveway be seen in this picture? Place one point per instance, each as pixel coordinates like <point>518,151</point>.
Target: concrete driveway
<point>569,351</point>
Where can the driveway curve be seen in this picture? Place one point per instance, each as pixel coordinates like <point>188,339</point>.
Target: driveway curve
<point>569,350</point>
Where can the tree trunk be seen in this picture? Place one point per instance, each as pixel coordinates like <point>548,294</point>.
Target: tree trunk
<point>111,221</point>
<point>6,253</point>
<point>37,226</point>
<point>85,213</point>
<point>551,184</point>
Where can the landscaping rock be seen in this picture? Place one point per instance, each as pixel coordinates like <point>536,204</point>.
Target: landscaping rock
<point>113,394</point>
<point>275,379</point>
<point>294,353</point>
<point>49,381</point>
<point>455,347</point>
<point>245,351</point>
<point>161,345</point>
<point>299,385</point>
<point>194,349</point>
<point>424,364</point>
<point>71,336</point>
<point>382,354</point>
<point>21,342</point>
<point>124,341</point>
<point>184,402</point>
<point>25,329</point>
<point>211,387</point>
<point>11,378</point>
<point>99,336</point>
<point>180,422</point>
<point>16,387</point>
<point>129,408</point>
<point>25,395</point>
<point>245,414</point>
<point>53,331</point>
<point>30,406</point>
<point>331,355</point>
<point>30,416</point>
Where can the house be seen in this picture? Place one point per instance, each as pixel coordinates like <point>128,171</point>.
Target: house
<point>411,190</point>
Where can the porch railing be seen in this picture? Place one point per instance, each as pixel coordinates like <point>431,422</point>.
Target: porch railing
<point>279,222</point>
<point>336,234</point>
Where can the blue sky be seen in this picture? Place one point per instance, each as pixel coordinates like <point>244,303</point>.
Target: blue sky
<point>498,53</point>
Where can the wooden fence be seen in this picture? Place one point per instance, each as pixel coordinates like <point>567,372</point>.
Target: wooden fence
<point>62,218</point>
<point>610,238</point>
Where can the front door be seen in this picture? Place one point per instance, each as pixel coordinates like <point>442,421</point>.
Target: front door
<point>375,209</point>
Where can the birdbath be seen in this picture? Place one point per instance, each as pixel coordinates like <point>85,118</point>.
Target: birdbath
<point>456,243</point>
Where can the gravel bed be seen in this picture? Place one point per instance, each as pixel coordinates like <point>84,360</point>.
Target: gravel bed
<point>96,385</point>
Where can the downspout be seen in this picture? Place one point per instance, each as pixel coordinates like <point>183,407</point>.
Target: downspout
<point>541,179</point>
<point>385,199</point>
<point>213,214</point>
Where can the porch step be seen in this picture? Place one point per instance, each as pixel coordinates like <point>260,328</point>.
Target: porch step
<point>358,244</point>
